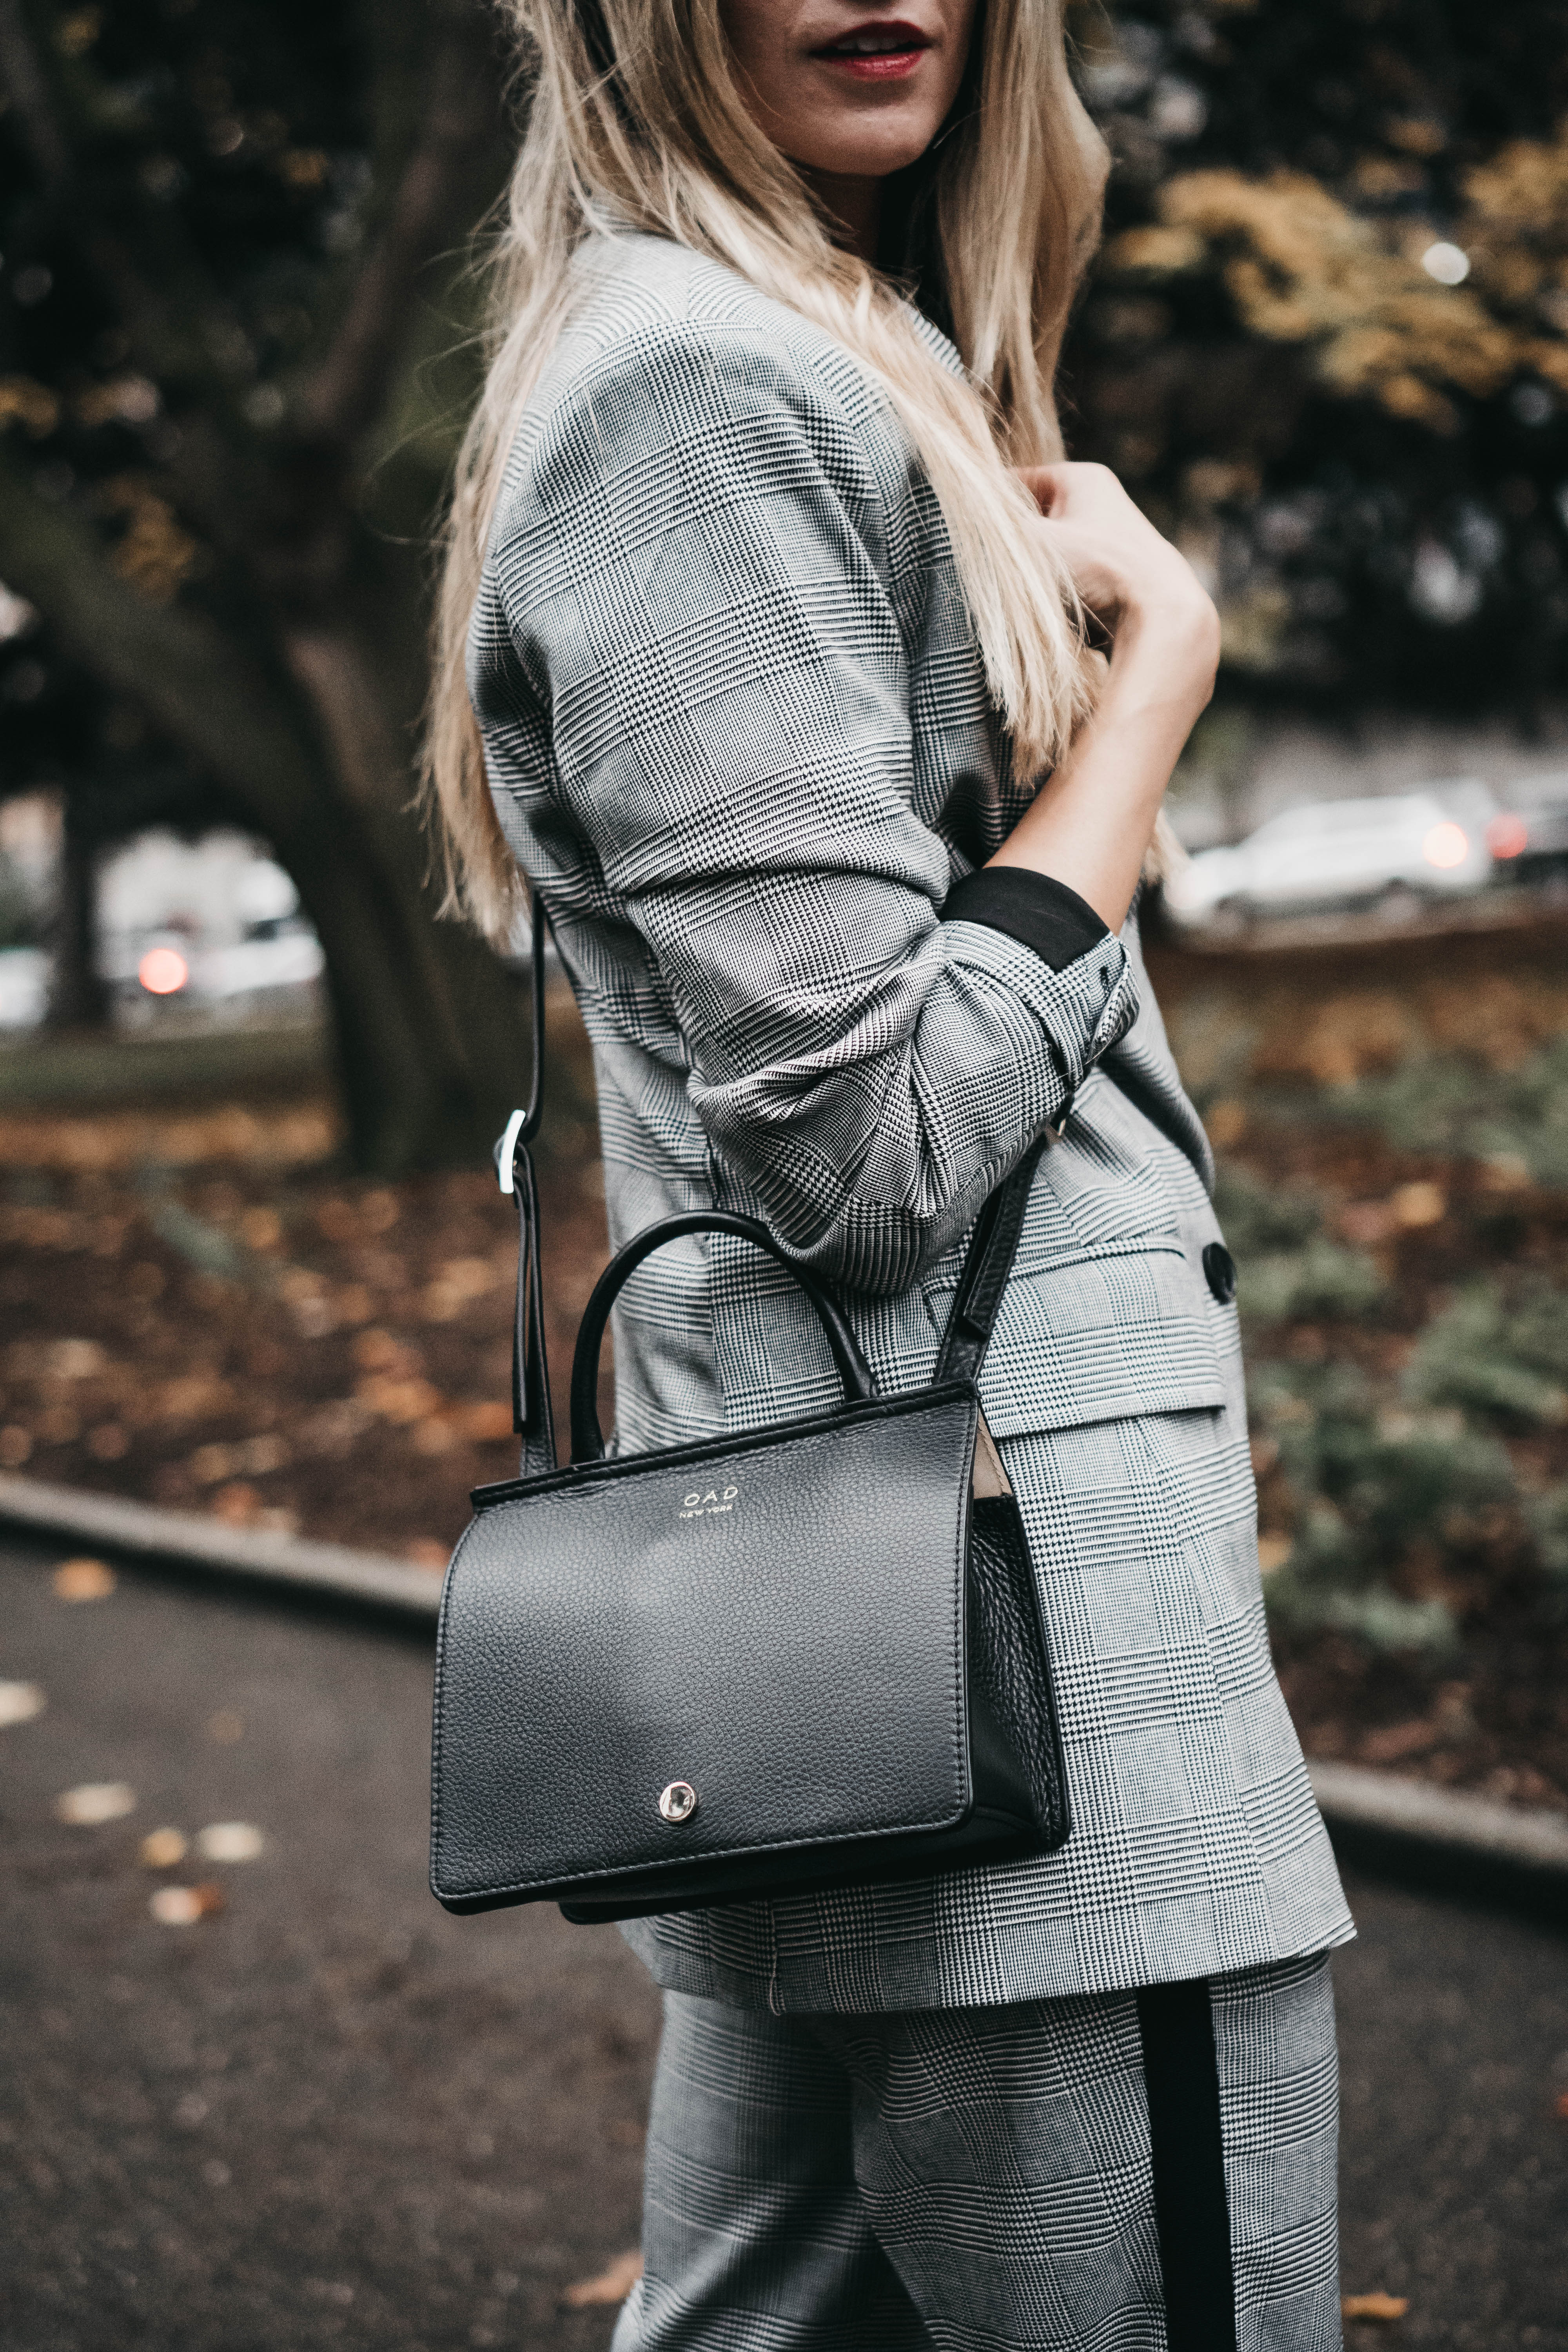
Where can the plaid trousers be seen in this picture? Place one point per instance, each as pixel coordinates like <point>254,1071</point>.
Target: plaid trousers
<point>1109,2172</point>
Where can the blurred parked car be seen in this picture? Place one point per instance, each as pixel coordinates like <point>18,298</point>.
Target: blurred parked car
<point>1392,852</point>
<point>24,987</point>
<point>1528,835</point>
<point>171,965</point>
<point>205,924</point>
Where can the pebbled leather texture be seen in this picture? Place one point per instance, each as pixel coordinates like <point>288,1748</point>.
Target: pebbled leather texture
<point>780,1620</point>
<point>1011,1661</point>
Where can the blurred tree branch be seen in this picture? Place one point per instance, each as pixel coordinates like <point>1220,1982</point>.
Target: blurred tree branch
<point>436,199</point>
<point>24,78</point>
<point>1327,339</point>
<point>408,1062</point>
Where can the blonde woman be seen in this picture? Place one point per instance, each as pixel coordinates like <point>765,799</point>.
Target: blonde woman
<point>763,654</point>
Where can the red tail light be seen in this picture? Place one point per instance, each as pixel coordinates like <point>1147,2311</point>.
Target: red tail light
<point>162,971</point>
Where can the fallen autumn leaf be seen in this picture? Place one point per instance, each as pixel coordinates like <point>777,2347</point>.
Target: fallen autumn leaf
<point>20,1702</point>
<point>611,2286</point>
<point>230,1842</point>
<point>1374,2307</point>
<point>93,1803</point>
<point>83,1580</point>
<point>182,1906</point>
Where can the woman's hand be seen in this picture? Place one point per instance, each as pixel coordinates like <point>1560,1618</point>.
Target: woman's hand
<point>1141,589</point>
<point>1091,820</point>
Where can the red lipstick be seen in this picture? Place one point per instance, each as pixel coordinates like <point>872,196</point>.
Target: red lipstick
<point>884,48</point>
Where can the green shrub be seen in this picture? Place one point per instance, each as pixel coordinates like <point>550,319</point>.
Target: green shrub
<point>1373,1614</point>
<point>1368,1490</point>
<point>1287,1267</point>
<point>1510,1364</point>
<point>1323,1282</point>
<point>1443,1103</point>
<point>1257,1219</point>
<point>1547,1516</point>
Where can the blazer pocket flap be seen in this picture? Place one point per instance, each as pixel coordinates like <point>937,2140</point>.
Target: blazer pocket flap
<point>1103,1340</point>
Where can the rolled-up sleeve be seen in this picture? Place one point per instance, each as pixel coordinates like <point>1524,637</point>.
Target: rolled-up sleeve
<point>695,576</point>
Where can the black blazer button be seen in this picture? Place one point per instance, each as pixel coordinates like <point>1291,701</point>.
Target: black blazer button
<point>1220,1268</point>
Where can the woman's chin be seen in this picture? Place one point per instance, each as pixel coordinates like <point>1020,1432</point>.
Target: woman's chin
<point>875,145</point>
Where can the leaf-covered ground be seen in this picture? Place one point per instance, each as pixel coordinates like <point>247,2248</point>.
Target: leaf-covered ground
<point>198,1307</point>
<point>284,1349</point>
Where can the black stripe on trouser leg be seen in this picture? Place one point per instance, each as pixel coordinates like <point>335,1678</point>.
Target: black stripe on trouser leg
<point>1186,2142</point>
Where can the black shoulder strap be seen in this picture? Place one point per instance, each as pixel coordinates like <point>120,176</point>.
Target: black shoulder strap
<point>987,1265</point>
<point>980,1285</point>
<point>532,1417</point>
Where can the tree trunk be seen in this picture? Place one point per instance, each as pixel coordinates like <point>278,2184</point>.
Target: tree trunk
<point>78,996</point>
<point>415,1092</point>
<point>456,997</point>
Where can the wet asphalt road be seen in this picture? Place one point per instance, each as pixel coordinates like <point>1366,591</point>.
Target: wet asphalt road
<point>331,2117</point>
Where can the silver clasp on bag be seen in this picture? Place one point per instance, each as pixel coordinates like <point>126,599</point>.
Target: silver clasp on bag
<point>679,1801</point>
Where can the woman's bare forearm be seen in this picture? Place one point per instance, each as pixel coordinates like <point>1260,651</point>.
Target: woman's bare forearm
<point>1091,823</point>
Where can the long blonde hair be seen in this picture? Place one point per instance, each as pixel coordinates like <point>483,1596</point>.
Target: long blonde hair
<point>636,121</point>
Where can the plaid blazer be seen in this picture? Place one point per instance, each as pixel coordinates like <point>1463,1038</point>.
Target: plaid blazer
<point>738,731</point>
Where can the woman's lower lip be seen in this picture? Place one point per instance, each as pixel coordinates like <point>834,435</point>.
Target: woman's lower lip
<point>869,65</point>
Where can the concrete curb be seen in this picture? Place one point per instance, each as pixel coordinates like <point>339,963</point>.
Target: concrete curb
<point>1441,1838</point>
<point>1536,1840</point>
<point>1406,1828</point>
<point>144,1532</point>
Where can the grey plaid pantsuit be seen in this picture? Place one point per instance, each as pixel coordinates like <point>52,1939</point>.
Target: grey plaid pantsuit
<point>738,731</point>
<point>979,2178</point>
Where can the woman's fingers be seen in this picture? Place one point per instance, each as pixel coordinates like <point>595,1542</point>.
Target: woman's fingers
<point>1120,563</point>
<point>1125,574</point>
<point>1092,563</point>
<point>1078,490</point>
<point>1042,484</point>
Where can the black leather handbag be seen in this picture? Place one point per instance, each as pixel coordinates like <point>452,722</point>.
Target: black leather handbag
<point>806,1656</point>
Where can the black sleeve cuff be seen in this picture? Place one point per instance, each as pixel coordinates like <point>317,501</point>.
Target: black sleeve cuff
<point>1045,915</point>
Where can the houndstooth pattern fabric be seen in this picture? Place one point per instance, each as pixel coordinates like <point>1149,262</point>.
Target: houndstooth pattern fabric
<point>738,732</point>
<point>975,2179</point>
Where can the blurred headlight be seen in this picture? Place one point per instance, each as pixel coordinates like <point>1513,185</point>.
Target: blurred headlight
<point>1446,846</point>
<point>1508,836</point>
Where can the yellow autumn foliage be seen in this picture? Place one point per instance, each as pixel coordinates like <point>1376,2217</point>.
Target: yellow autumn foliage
<point>1523,188</point>
<point>1301,267</point>
<point>31,405</point>
<point>1515,230</point>
<point>155,555</point>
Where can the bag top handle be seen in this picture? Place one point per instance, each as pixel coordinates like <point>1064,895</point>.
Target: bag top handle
<point>587,1439</point>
